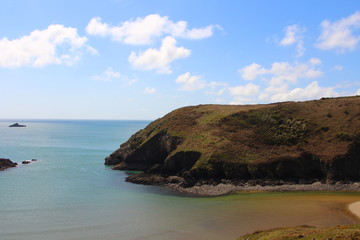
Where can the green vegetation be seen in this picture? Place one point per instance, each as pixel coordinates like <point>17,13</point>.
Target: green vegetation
<point>273,126</point>
<point>306,233</point>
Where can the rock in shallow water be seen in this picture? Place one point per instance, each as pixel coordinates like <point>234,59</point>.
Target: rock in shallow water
<point>6,163</point>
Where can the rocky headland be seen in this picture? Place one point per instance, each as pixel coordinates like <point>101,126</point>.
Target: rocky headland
<point>6,163</point>
<point>315,144</point>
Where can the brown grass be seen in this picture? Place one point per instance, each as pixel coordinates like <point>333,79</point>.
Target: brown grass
<point>307,233</point>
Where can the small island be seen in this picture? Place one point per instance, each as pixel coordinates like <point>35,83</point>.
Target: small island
<point>17,125</point>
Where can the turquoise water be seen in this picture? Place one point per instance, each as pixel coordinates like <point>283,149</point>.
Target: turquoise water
<point>69,194</point>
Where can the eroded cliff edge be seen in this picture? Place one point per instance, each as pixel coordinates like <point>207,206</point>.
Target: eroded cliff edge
<point>291,141</point>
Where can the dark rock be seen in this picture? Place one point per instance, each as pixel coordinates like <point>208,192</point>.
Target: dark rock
<point>236,171</point>
<point>147,179</point>
<point>345,167</point>
<point>305,167</point>
<point>156,169</point>
<point>26,162</point>
<point>120,166</point>
<point>181,161</point>
<point>6,163</point>
<point>175,179</point>
<point>189,179</point>
<point>17,125</point>
<point>154,151</point>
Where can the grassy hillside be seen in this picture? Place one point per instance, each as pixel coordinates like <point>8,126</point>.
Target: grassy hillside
<point>291,140</point>
<point>306,233</point>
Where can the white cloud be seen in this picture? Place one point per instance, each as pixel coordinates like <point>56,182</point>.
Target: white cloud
<point>252,93</point>
<point>217,93</point>
<point>358,92</point>
<point>275,89</point>
<point>340,35</point>
<point>251,71</point>
<point>277,81</point>
<point>146,30</point>
<point>214,85</point>
<point>150,90</point>
<point>283,72</point>
<point>338,67</point>
<point>197,33</point>
<point>190,83</point>
<point>92,50</point>
<point>130,81</point>
<point>293,35</point>
<point>315,61</point>
<point>247,90</point>
<point>244,94</point>
<point>55,45</point>
<point>290,35</point>
<point>312,91</point>
<point>108,75</point>
<point>96,27</point>
<point>214,88</point>
<point>160,59</point>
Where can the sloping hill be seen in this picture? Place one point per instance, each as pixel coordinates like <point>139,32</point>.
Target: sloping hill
<point>292,141</point>
<point>306,233</point>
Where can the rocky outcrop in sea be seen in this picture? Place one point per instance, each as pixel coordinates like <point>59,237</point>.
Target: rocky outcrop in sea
<point>6,163</point>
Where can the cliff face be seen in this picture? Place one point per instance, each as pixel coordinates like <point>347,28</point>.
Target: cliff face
<point>293,141</point>
<point>142,154</point>
<point>6,163</point>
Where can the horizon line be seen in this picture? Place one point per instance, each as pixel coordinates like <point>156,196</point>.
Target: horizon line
<point>71,119</point>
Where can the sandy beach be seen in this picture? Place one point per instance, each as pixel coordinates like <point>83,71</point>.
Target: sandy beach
<point>355,208</point>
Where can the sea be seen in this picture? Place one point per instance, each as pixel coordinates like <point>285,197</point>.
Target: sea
<point>69,194</point>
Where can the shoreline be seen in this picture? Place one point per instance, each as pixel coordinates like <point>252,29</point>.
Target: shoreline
<point>354,208</point>
<point>224,189</point>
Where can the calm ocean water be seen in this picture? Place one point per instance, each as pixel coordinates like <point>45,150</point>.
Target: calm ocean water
<point>69,194</point>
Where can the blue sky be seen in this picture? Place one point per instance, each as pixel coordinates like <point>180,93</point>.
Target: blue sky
<point>140,59</point>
